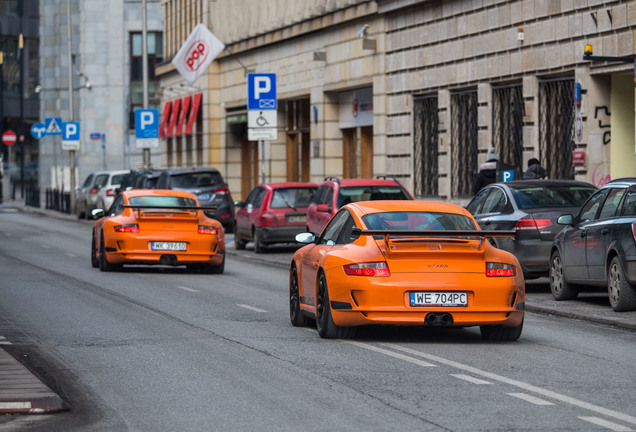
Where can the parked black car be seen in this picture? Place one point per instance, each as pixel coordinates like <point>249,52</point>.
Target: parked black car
<point>531,207</point>
<point>597,247</point>
<point>209,187</point>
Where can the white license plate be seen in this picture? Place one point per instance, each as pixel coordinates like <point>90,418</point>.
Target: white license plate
<point>302,218</point>
<point>168,246</point>
<point>432,298</point>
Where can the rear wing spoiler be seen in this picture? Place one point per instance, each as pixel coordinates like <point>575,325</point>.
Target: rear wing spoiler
<point>154,207</point>
<point>139,208</point>
<point>357,232</point>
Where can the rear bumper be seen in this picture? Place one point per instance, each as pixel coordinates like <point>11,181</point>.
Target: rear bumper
<point>385,300</point>
<point>281,234</point>
<point>533,255</point>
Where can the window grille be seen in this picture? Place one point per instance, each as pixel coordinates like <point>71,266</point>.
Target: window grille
<point>556,127</point>
<point>507,124</point>
<point>425,153</point>
<point>464,142</point>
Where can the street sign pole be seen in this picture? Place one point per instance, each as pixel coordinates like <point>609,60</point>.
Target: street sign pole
<point>70,99</point>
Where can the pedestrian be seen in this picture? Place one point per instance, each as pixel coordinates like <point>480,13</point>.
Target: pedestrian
<point>535,170</point>
<point>487,172</point>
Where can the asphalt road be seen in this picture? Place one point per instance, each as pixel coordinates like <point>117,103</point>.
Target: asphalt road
<point>160,349</point>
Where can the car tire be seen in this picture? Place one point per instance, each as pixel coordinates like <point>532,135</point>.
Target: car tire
<point>561,289</point>
<point>325,325</point>
<point>104,265</point>
<point>501,333</point>
<point>259,247</point>
<point>94,260</point>
<point>239,243</point>
<point>622,295</point>
<point>296,316</point>
<point>216,268</point>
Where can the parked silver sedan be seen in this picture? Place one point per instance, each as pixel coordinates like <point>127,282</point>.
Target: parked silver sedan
<point>530,207</point>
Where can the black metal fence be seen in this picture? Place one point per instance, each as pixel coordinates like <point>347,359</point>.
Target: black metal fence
<point>57,199</point>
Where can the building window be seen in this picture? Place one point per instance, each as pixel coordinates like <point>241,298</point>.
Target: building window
<point>155,56</point>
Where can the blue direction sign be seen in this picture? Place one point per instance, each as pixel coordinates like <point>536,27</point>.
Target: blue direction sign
<point>53,125</point>
<point>38,131</point>
<point>147,123</point>
<point>70,136</point>
<point>261,91</point>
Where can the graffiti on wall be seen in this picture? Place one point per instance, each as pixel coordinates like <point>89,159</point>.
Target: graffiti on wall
<point>599,180</point>
<point>607,135</point>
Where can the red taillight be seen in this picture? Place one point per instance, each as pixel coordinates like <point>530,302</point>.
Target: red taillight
<point>94,191</point>
<point>500,270</point>
<point>110,192</point>
<point>368,269</point>
<point>207,230</point>
<point>222,190</point>
<point>268,219</point>
<point>532,224</point>
<point>130,228</point>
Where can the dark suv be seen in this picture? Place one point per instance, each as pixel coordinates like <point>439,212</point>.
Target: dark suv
<point>597,247</point>
<point>209,187</point>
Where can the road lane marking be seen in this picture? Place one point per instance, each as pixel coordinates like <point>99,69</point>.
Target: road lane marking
<point>391,353</point>
<point>15,405</point>
<point>68,254</point>
<point>470,379</point>
<point>255,309</point>
<point>607,424</point>
<point>531,399</point>
<point>4,341</point>
<point>528,387</point>
<point>188,289</point>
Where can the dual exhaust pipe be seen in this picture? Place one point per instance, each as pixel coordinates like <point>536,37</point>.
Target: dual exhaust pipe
<point>438,319</point>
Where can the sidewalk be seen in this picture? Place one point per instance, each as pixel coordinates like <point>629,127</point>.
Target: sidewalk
<point>22,392</point>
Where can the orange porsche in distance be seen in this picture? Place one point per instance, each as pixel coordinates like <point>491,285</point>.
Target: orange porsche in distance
<point>405,263</point>
<point>165,227</point>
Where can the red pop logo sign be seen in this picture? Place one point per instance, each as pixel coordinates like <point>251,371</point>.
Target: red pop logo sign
<point>196,55</point>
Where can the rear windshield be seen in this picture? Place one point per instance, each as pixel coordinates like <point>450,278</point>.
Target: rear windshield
<point>196,179</point>
<point>117,179</point>
<point>551,196</point>
<point>292,197</point>
<point>418,221</point>
<point>370,193</point>
<point>163,201</point>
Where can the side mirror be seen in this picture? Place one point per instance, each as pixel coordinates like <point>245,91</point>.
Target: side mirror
<point>305,238</point>
<point>238,203</point>
<point>98,213</point>
<point>566,219</point>
<point>324,208</point>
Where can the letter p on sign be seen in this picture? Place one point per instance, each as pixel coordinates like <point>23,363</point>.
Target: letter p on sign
<point>262,84</point>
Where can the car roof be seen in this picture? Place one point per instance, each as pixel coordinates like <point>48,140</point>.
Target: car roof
<point>623,181</point>
<point>362,182</point>
<point>189,170</point>
<point>379,206</point>
<point>281,185</point>
<point>543,182</point>
<point>157,192</point>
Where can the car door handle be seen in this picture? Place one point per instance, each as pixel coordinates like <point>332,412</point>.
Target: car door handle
<point>604,231</point>
<point>316,263</point>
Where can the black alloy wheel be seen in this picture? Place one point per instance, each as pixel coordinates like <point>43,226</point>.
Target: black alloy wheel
<point>296,316</point>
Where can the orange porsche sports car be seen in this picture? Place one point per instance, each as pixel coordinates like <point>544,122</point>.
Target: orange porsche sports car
<point>405,263</point>
<point>166,227</point>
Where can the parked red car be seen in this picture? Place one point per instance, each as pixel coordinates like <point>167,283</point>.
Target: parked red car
<point>335,192</point>
<point>272,213</point>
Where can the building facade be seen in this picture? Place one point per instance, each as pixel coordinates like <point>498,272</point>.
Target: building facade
<point>106,81</point>
<point>416,89</point>
<point>20,75</point>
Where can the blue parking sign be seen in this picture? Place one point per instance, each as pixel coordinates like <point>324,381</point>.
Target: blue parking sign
<point>261,91</point>
<point>147,123</point>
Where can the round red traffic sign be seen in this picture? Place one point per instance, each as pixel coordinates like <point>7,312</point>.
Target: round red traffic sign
<point>9,138</point>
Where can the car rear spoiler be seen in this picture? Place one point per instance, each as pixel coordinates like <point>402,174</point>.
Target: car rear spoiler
<point>169,208</point>
<point>357,232</point>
